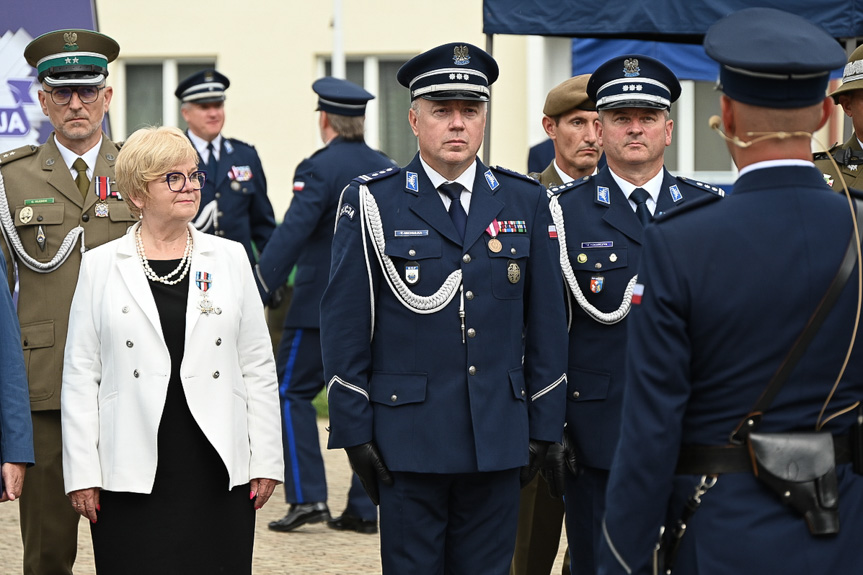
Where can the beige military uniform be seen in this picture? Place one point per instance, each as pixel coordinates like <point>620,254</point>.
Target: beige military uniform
<point>849,158</point>
<point>40,205</point>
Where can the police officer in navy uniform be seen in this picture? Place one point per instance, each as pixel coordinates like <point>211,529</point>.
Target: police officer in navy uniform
<point>727,288</point>
<point>305,238</point>
<point>234,202</point>
<point>601,225</point>
<point>443,331</point>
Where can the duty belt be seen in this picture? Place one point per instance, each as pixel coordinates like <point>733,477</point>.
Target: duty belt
<point>716,459</point>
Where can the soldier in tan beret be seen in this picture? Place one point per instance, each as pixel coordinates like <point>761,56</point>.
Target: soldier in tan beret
<point>56,201</point>
<point>569,121</point>
<point>848,156</point>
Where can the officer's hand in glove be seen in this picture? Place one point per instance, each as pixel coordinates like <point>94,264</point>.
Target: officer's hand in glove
<point>537,450</point>
<point>367,463</point>
<point>559,459</point>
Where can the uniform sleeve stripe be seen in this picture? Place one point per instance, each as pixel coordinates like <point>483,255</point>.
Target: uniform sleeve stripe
<point>541,392</point>
<point>337,380</point>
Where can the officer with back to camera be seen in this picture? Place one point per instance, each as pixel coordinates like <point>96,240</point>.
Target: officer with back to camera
<point>600,223</point>
<point>727,287</point>
<point>234,202</point>
<point>304,239</point>
<point>443,331</point>
<point>60,200</point>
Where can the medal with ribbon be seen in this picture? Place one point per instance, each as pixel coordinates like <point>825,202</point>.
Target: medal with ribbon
<point>492,230</point>
<point>102,192</point>
<point>203,281</point>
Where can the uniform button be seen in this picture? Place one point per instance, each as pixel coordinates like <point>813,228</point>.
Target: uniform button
<point>468,295</point>
<point>85,218</point>
<point>471,332</point>
<point>129,343</point>
<point>218,194</point>
<point>219,341</point>
<point>412,253</point>
<point>523,393</point>
<point>512,251</point>
<point>472,370</point>
<point>575,394</point>
<point>394,398</point>
<point>215,375</point>
<point>598,265</point>
<point>39,218</point>
<point>221,232</point>
<point>135,373</point>
<point>125,309</point>
<point>612,258</point>
<point>466,258</point>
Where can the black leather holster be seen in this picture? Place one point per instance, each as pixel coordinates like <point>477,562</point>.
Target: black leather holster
<point>801,469</point>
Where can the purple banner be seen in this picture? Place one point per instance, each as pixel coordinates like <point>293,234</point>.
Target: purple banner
<point>21,119</point>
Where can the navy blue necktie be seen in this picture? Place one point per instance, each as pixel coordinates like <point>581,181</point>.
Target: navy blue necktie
<point>639,196</point>
<point>456,210</point>
<point>212,163</point>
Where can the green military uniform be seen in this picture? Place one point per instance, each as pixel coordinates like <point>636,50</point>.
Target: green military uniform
<point>849,159</point>
<point>39,205</point>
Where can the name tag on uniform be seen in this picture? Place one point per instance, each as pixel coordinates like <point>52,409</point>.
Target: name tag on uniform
<point>410,233</point>
<point>588,245</point>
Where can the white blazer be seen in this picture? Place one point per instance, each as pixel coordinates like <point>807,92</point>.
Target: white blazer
<point>117,366</point>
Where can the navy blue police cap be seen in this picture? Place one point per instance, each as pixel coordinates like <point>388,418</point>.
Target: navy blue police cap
<point>203,87</point>
<point>71,57</point>
<point>633,81</point>
<point>337,96</point>
<point>772,59</point>
<point>455,71</point>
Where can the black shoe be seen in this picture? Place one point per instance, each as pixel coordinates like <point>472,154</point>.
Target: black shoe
<point>353,523</point>
<point>300,514</point>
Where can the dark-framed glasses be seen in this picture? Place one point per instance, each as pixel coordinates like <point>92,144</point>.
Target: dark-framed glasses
<point>177,180</point>
<point>87,94</point>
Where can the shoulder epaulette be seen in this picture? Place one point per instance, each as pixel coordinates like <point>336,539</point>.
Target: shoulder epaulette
<point>695,183</point>
<point>17,154</point>
<point>534,175</point>
<point>375,176</point>
<point>514,174</point>
<point>568,186</point>
<point>687,207</point>
<point>237,142</point>
<point>843,156</point>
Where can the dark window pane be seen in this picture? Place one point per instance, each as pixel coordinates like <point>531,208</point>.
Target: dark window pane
<point>397,139</point>
<point>143,96</point>
<point>711,153</point>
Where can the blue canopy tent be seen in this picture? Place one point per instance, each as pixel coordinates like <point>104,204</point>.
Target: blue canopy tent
<point>669,30</point>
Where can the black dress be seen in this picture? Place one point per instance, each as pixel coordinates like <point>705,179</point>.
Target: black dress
<point>190,524</point>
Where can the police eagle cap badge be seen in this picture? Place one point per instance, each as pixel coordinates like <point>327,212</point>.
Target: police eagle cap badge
<point>460,56</point>
<point>630,67</point>
<point>71,40</point>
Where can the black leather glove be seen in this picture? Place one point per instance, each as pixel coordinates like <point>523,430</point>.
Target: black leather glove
<point>559,459</point>
<point>367,463</point>
<point>537,450</point>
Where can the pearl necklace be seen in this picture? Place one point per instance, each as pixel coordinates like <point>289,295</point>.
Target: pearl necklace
<point>184,265</point>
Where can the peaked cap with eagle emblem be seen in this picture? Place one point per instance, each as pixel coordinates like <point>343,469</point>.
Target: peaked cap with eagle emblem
<point>455,71</point>
<point>72,57</point>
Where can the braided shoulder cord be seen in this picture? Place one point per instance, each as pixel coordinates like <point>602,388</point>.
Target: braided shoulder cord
<point>14,241</point>
<point>569,275</point>
<point>419,304</point>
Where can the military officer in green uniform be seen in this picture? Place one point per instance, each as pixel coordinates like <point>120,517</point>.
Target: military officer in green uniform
<point>569,117</point>
<point>56,201</point>
<point>848,156</point>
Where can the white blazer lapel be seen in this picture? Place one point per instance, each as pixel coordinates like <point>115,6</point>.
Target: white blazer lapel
<point>136,282</point>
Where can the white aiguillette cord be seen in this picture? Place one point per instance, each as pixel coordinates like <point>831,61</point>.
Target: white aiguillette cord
<point>714,123</point>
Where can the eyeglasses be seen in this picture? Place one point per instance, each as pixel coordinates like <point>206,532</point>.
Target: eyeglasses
<point>177,180</point>
<point>87,94</point>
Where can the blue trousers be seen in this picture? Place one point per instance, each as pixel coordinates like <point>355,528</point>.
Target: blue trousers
<point>449,524</point>
<point>585,507</point>
<point>301,377</point>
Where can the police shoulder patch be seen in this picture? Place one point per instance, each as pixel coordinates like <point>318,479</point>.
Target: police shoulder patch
<point>554,190</point>
<point>16,154</point>
<point>514,174</point>
<point>701,185</point>
<point>687,207</point>
<point>375,176</point>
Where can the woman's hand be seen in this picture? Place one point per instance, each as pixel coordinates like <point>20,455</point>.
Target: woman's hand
<point>262,488</point>
<point>86,502</point>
